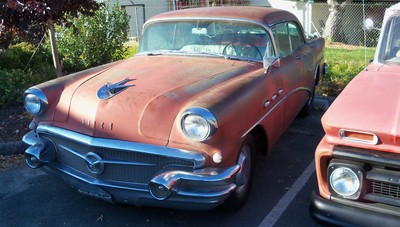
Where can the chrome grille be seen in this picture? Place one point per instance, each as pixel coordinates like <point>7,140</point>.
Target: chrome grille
<point>137,167</point>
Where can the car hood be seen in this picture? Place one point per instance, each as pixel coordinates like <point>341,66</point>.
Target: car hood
<point>370,103</point>
<point>158,87</point>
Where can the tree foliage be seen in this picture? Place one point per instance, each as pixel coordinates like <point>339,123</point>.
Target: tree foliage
<point>30,18</point>
<point>93,40</point>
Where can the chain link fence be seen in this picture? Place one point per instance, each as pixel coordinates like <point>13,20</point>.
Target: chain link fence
<point>313,16</point>
<point>351,22</point>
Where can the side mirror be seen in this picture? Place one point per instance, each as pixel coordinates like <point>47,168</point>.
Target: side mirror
<point>369,24</point>
<point>271,61</point>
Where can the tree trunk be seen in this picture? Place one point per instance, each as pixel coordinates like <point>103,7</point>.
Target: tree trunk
<point>56,59</point>
<point>333,27</point>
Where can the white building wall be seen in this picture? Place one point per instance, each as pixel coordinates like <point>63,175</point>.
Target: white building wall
<point>141,12</point>
<point>302,10</point>
<point>259,3</point>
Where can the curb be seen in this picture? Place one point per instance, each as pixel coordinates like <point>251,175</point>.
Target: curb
<point>321,103</point>
<point>13,148</point>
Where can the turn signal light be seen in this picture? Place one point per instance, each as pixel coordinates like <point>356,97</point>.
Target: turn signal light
<point>359,137</point>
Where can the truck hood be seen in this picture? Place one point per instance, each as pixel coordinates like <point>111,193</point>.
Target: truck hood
<point>370,103</point>
<point>157,88</point>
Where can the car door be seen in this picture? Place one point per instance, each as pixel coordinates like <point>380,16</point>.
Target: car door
<point>272,105</point>
<point>292,53</point>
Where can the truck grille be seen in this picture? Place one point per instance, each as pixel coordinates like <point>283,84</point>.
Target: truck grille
<point>385,189</point>
<point>382,173</point>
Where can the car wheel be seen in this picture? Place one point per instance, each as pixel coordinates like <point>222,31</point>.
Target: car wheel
<point>244,176</point>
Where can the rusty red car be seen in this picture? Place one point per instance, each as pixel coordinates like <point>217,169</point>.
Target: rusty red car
<point>358,160</point>
<point>178,124</point>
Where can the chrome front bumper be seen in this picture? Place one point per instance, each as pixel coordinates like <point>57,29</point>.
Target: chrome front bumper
<point>127,172</point>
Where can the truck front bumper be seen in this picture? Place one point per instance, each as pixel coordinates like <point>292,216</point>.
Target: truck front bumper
<point>350,213</point>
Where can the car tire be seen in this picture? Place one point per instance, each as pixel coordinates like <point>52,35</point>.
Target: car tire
<point>244,177</point>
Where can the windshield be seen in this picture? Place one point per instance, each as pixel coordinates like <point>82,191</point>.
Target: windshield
<point>217,38</point>
<point>390,49</point>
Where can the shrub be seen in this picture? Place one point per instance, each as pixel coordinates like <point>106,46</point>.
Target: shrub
<point>14,78</point>
<point>12,85</point>
<point>92,41</point>
<point>19,55</point>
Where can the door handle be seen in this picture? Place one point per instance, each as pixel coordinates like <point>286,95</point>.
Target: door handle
<point>273,97</point>
<point>280,92</point>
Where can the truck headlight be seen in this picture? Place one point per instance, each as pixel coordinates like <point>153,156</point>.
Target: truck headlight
<point>345,180</point>
<point>35,101</point>
<point>198,123</point>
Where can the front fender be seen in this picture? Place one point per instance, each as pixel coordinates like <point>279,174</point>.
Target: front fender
<point>236,105</point>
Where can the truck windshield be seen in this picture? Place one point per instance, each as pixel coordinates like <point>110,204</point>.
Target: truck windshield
<point>390,48</point>
<point>216,38</point>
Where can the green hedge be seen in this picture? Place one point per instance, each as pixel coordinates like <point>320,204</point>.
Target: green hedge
<point>16,75</point>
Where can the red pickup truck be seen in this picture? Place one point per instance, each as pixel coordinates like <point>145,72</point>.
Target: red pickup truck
<point>358,160</point>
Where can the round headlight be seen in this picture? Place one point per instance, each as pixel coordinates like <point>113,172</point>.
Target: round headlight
<point>33,104</point>
<point>344,181</point>
<point>196,127</point>
<point>198,124</point>
<point>35,101</point>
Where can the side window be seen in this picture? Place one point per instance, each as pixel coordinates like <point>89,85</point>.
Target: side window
<point>281,35</point>
<point>288,38</point>
<point>390,49</point>
<point>295,36</point>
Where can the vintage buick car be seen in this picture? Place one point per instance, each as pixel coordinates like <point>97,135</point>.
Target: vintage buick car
<point>358,160</point>
<point>178,124</point>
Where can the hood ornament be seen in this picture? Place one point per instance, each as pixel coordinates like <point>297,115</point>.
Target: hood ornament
<point>109,90</point>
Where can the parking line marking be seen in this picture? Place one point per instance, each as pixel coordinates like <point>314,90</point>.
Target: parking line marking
<point>285,201</point>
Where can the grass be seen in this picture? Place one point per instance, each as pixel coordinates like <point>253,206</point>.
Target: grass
<point>344,62</point>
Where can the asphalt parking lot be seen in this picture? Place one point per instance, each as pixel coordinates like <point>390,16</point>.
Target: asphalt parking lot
<point>280,195</point>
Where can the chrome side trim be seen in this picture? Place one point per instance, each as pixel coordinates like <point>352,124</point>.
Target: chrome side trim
<point>197,159</point>
<point>342,134</point>
<point>274,106</point>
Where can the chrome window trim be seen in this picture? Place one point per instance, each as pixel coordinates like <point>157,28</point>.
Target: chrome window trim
<point>266,27</point>
<point>197,159</point>
<point>344,137</point>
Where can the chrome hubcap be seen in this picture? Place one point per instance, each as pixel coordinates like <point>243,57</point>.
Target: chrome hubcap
<point>243,176</point>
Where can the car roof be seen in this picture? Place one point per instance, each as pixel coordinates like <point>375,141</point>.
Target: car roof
<point>264,15</point>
